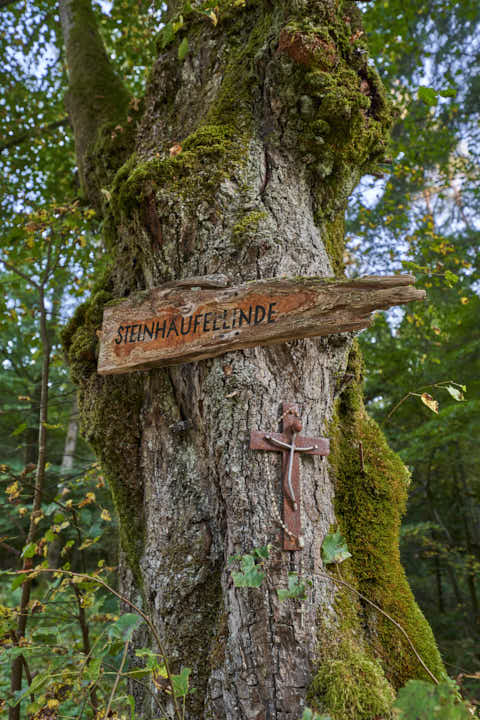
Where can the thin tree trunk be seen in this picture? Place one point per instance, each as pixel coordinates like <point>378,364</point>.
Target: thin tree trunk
<point>18,663</point>
<point>469,543</point>
<point>243,160</point>
<point>69,448</point>
<point>70,439</point>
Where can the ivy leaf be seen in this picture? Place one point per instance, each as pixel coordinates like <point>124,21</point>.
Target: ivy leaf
<point>250,575</point>
<point>420,700</point>
<point>180,682</point>
<point>183,49</point>
<point>296,589</point>
<point>334,548</point>
<point>263,552</point>
<point>430,402</point>
<point>311,715</point>
<point>455,393</point>
<point>428,96</point>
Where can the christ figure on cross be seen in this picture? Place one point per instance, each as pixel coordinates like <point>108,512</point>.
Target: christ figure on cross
<point>290,444</point>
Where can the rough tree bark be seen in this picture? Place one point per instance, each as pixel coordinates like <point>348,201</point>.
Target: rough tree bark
<point>278,113</point>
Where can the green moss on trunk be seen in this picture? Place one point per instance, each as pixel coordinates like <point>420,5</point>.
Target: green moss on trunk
<point>109,421</point>
<point>369,503</point>
<point>96,95</point>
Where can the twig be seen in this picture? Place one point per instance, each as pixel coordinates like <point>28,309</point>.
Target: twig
<point>81,617</point>
<point>418,394</point>
<point>128,676</point>
<point>21,274</point>
<point>389,617</point>
<point>117,678</point>
<point>36,131</point>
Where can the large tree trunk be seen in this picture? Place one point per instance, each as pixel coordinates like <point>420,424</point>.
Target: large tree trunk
<point>278,114</point>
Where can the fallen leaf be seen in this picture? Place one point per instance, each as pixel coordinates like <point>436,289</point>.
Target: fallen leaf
<point>175,150</point>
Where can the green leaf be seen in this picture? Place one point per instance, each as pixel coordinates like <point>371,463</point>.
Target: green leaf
<point>296,589</point>
<point>36,684</point>
<point>29,550</point>
<point>334,548</point>
<point>250,575</point>
<point>167,35</point>
<point>125,626</point>
<point>17,581</point>
<point>310,715</point>
<point>420,700</point>
<point>180,682</point>
<point>92,670</point>
<point>152,659</point>
<point>18,430</point>
<point>451,92</point>
<point>450,278</point>
<point>131,702</point>
<point>183,49</point>
<point>428,96</point>
<point>263,552</point>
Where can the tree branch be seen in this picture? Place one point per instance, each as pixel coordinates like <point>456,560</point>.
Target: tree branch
<point>96,94</point>
<point>33,132</point>
<point>4,3</point>
<point>21,274</point>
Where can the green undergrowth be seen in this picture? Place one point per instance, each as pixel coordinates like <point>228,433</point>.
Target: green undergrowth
<point>369,503</point>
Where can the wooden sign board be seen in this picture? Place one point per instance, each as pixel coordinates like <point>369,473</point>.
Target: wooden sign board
<point>190,320</point>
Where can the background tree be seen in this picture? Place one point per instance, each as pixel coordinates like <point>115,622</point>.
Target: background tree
<point>422,217</point>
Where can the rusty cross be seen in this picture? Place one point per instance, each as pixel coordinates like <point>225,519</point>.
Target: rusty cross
<point>290,443</point>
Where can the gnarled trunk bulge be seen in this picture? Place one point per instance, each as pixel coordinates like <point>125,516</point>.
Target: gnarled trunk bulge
<point>240,160</point>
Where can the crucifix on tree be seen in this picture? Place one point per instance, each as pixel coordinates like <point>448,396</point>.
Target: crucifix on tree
<point>290,444</point>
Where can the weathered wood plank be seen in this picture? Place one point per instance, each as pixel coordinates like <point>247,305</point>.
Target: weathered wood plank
<point>186,321</point>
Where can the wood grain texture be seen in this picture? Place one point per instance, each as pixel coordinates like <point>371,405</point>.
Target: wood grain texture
<point>190,320</point>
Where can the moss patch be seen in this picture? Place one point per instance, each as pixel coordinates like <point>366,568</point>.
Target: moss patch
<point>351,686</point>
<point>369,503</point>
<point>246,227</point>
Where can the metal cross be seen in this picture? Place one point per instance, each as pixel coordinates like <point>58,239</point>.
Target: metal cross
<point>290,443</point>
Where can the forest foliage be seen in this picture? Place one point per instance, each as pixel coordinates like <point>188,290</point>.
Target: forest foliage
<point>65,629</point>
